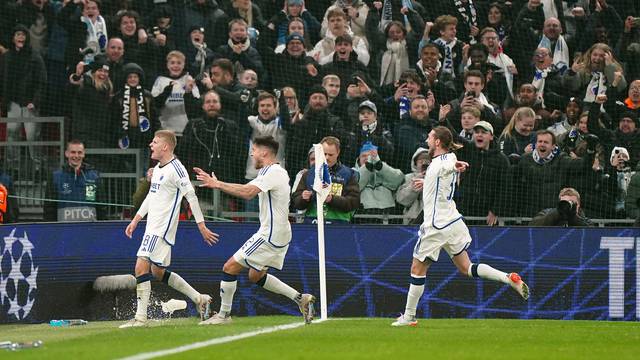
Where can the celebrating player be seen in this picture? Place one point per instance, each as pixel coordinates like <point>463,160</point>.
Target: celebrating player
<point>267,247</point>
<point>443,226</point>
<point>169,184</point>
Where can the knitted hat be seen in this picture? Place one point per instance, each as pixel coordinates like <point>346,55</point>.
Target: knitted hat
<point>318,89</point>
<point>296,2</point>
<point>100,62</point>
<point>295,36</point>
<point>367,146</point>
<point>133,68</point>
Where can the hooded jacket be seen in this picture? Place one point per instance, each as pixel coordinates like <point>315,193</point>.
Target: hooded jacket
<point>406,196</point>
<point>378,183</point>
<point>22,74</point>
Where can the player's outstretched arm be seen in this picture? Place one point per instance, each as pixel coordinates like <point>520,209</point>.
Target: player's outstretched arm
<point>244,191</point>
<point>132,226</point>
<point>209,236</point>
<point>461,166</point>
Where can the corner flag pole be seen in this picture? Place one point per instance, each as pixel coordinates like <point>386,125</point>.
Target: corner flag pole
<point>322,187</point>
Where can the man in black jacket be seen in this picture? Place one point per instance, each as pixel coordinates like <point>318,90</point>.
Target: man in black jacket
<point>213,143</point>
<point>567,213</point>
<point>482,185</point>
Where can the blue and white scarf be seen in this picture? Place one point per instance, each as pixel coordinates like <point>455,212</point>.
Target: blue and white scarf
<point>447,60</point>
<point>96,37</point>
<point>560,52</point>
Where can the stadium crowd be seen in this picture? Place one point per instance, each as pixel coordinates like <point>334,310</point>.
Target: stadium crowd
<point>543,94</point>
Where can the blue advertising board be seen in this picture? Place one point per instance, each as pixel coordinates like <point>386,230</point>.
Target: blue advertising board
<point>46,271</point>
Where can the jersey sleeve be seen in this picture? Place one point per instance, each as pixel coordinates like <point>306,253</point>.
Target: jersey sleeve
<point>266,180</point>
<point>448,164</point>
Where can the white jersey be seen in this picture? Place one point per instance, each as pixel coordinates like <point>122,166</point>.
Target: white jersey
<point>169,185</point>
<point>437,192</point>
<point>273,182</point>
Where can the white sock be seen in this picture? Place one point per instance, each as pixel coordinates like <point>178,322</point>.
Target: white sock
<point>143,292</point>
<point>178,283</point>
<point>274,285</point>
<point>227,289</point>
<point>487,272</point>
<point>416,289</point>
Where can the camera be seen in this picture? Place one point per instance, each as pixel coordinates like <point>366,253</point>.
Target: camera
<point>566,209</point>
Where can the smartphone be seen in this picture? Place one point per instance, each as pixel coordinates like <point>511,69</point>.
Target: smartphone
<point>635,22</point>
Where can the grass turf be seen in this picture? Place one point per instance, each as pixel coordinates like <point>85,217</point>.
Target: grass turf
<point>339,339</point>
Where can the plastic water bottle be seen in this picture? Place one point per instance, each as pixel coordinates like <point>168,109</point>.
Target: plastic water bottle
<point>173,305</point>
<point>68,322</point>
<point>405,105</point>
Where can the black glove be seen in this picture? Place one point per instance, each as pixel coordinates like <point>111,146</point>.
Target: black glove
<point>592,142</point>
<point>168,88</point>
<point>514,158</point>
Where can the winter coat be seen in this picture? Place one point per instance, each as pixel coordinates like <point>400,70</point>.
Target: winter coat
<point>378,181</point>
<point>208,16</point>
<point>516,143</point>
<point>407,196</point>
<point>551,217</point>
<point>345,194</point>
<point>249,59</point>
<point>410,135</point>
<point>536,187</point>
<point>67,184</point>
<point>91,115</point>
<point>214,145</point>
<point>632,201</point>
<point>576,83</point>
<point>482,186</point>
<point>23,76</point>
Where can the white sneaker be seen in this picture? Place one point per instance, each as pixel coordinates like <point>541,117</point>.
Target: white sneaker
<point>518,285</point>
<point>216,319</point>
<point>401,321</point>
<point>204,306</point>
<point>306,307</point>
<point>133,323</point>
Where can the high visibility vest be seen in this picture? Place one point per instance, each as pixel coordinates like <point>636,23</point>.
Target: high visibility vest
<point>3,202</point>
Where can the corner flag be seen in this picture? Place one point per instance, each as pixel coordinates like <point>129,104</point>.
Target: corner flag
<point>322,187</point>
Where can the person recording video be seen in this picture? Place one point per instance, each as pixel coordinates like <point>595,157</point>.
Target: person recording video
<point>566,213</point>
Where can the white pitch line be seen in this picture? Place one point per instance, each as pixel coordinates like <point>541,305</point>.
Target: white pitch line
<point>216,341</point>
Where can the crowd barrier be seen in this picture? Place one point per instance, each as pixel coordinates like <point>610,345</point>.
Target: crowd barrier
<point>47,270</point>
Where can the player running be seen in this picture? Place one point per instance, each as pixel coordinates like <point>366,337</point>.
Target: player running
<point>267,247</point>
<point>443,226</point>
<point>169,184</point>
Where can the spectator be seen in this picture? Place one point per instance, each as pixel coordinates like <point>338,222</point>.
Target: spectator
<point>401,94</point>
<point>133,111</point>
<point>37,16</point>
<point>161,31</point>
<point>567,213</point>
<point>169,94</point>
<point>248,80</point>
<point>248,12</point>
<point>632,201</point>
<point>547,80</point>
<point>529,97</point>
<point>411,132</point>
<point>553,40</point>
<point>628,48</point>
<point>77,182</point>
<point>208,15</point>
<point>492,40</point>
<point>268,123</point>
<point>324,50</point>
<point>498,20</point>
<point>474,82</point>
<point>212,143</point>
<point>234,97</point>
<point>137,48</point>
<point>409,194</point>
<point>540,174</point>
<point>470,117</point>
<point>568,119</point>
<point>495,87</point>
<point>344,198</point>
<point>518,137</point>
<point>370,130</point>
<point>239,49</point>
<point>115,60</point>
<point>526,33</point>
<point>22,80</point>
<point>291,98</point>
<point>9,209</point>
<point>316,124</point>
<point>337,102</point>
<point>451,49</point>
<point>470,18</point>
<point>87,32</point>
<point>621,174</point>
<point>197,52</point>
<point>345,62</point>
<point>482,187</point>
<point>429,68</point>
<point>294,18</point>
<point>595,72</point>
<point>358,90</point>
<point>632,102</point>
<point>377,180</point>
<point>292,67</point>
<point>91,110</point>
<point>603,25</point>
<point>356,13</point>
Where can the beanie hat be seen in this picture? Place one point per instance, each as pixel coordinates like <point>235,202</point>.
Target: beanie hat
<point>367,146</point>
<point>133,68</point>
<point>318,89</point>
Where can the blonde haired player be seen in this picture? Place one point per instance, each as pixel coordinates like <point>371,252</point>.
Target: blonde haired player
<point>169,184</point>
<point>443,226</point>
<point>268,246</point>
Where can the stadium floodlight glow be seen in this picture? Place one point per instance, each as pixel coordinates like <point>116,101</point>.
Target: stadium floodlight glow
<point>322,187</point>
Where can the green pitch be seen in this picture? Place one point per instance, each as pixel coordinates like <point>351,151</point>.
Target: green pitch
<point>355,338</point>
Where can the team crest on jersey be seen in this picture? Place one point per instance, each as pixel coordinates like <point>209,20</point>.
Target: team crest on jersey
<point>18,276</point>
